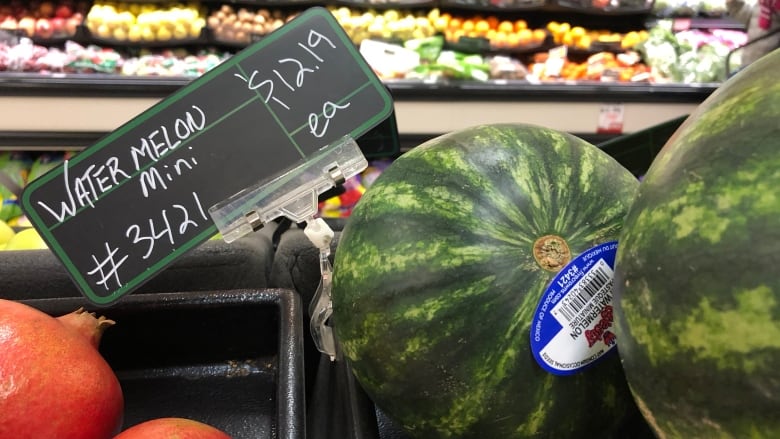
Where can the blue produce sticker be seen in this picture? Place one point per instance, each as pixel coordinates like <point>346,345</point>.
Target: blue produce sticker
<point>572,325</point>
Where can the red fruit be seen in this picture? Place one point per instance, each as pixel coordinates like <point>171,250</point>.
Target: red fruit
<point>63,11</point>
<point>172,428</point>
<point>53,381</point>
<point>58,26</point>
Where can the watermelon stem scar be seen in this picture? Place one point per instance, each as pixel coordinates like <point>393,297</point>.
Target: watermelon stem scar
<point>551,252</point>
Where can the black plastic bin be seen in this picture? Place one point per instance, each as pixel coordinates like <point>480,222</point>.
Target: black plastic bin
<point>340,409</point>
<point>337,407</point>
<point>636,151</point>
<point>232,359</point>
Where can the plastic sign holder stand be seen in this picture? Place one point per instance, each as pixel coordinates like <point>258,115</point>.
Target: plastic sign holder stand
<point>321,307</point>
<point>294,194</point>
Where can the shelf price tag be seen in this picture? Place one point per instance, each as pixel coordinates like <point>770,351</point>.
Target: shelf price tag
<point>128,206</point>
<point>610,119</point>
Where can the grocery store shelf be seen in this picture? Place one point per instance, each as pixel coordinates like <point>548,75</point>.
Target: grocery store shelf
<point>81,106</point>
<point>418,117</point>
<point>97,85</point>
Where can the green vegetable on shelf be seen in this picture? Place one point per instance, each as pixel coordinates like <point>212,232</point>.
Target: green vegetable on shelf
<point>456,65</point>
<point>689,56</point>
<point>429,48</point>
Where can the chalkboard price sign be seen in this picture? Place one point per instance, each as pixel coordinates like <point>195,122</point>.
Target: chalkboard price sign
<point>125,208</point>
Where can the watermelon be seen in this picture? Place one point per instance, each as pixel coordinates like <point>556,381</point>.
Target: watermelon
<point>439,270</point>
<point>697,291</point>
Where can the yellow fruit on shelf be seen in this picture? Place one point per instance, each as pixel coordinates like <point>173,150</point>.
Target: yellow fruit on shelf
<point>577,32</point>
<point>441,23</point>
<point>145,22</point>
<point>610,38</point>
<point>559,31</point>
<point>500,40</point>
<point>103,31</point>
<point>163,34</point>
<point>506,27</point>
<point>134,34</point>
<point>567,39</point>
<point>147,34</point>
<point>6,232</point>
<point>481,27</point>
<point>27,239</point>
<point>539,36</point>
<point>119,34</point>
<point>525,37</point>
<point>468,25</point>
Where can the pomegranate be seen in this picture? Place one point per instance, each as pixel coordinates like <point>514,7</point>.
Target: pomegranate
<point>172,428</point>
<point>54,384</point>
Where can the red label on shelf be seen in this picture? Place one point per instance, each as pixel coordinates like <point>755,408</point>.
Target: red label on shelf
<point>610,119</point>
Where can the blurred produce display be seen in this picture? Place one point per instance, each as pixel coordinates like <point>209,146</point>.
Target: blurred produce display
<point>390,24</point>
<point>500,33</point>
<point>408,41</point>
<point>43,19</point>
<point>692,56</point>
<point>402,41</point>
<point>579,37</point>
<point>602,66</point>
<point>244,24</point>
<point>609,5</point>
<point>75,58</point>
<point>687,8</point>
<point>340,206</point>
<point>508,4</point>
<point>172,63</point>
<point>148,22</point>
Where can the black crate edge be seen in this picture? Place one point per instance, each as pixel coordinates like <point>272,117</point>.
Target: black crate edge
<point>290,393</point>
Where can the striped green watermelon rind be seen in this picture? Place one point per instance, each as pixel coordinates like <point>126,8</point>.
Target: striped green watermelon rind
<point>435,283</point>
<point>697,285</point>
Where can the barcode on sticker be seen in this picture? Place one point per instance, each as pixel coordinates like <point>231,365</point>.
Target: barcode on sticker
<point>594,281</point>
<point>572,325</point>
